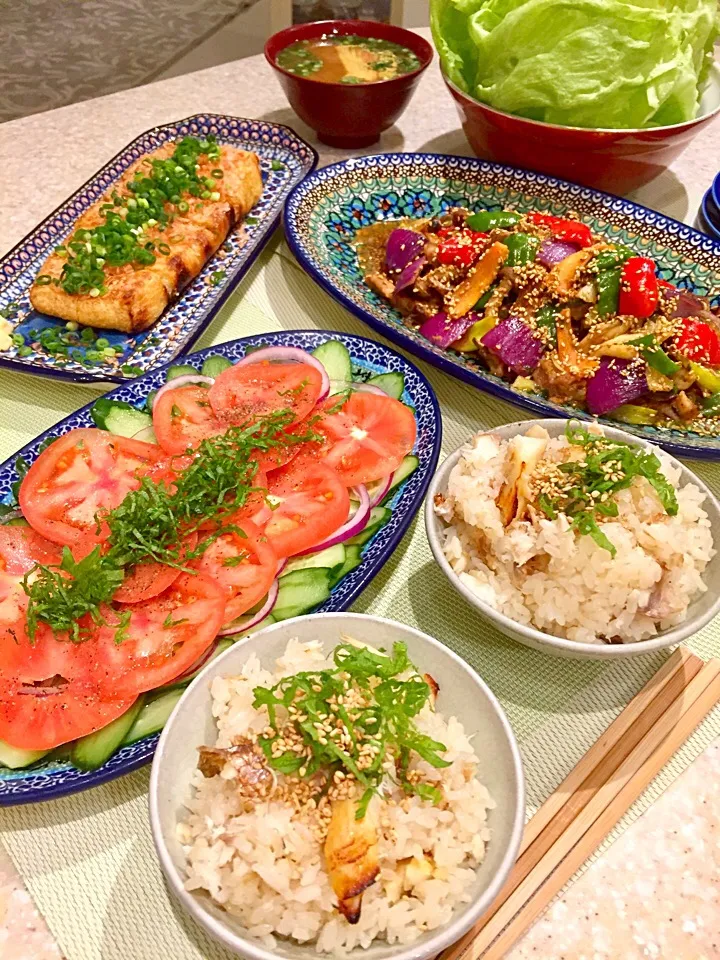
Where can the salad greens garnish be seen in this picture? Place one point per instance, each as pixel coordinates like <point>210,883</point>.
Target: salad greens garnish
<point>151,523</point>
<point>584,489</point>
<point>348,718</point>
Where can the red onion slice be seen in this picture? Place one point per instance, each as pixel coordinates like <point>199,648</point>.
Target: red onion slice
<point>342,386</point>
<point>194,667</point>
<point>354,524</point>
<point>281,566</point>
<point>553,251</point>
<point>402,247</point>
<point>288,355</point>
<point>183,382</point>
<point>147,435</point>
<point>378,490</point>
<point>442,331</point>
<point>409,274</point>
<point>239,625</point>
<point>614,383</point>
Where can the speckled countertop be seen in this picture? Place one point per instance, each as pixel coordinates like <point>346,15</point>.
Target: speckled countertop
<point>656,891</point>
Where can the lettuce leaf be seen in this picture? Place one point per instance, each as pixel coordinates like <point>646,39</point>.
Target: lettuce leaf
<point>584,63</point>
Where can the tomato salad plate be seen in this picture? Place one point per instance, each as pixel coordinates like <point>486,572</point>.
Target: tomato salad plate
<point>127,273</point>
<point>143,535</point>
<point>561,299</point>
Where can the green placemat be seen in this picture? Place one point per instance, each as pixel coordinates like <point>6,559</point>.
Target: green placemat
<point>88,860</point>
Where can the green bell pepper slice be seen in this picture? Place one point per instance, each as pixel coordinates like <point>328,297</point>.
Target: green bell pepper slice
<point>522,248</point>
<point>546,318</point>
<point>708,379</point>
<point>489,219</point>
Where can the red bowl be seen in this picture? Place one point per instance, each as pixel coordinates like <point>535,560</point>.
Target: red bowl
<point>348,115</point>
<point>613,160</point>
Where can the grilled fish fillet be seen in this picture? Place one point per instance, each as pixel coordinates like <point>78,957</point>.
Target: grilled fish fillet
<point>135,298</point>
<point>351,853</point>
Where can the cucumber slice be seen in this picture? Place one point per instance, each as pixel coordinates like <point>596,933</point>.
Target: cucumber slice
<point>393,384</point>
<point>214,365</point>
<point>153,716</point>
<point>408,466</point>
<point>301,591</point>
<point>180,370</point>
<point>18,522</point>
<point>119,417</point>
<point>92,751</point>
<point>334,356</point>
<point>353,559</point>
<point>16,759</point>
<point>331,557</point>
<point>150,400</point>
<point>379,516</point>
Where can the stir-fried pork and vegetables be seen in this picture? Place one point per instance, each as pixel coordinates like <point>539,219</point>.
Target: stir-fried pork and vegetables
<point>544,303</point>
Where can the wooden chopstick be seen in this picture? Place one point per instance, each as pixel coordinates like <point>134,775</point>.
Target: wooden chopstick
<point>511,925</point>
<point>602,759</point>
<point>664,713</point>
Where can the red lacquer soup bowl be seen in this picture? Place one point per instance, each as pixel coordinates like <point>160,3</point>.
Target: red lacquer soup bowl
<point>344,114</point>
<point>607,159</point>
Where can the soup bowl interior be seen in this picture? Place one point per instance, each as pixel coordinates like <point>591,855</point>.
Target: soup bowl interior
<point>700,612</point>
<point>348,114</point>
<point>462,694</point>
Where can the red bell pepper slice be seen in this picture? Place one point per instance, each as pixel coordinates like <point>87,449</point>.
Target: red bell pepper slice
<point>639,291</point>
<point>460,247</point>
<point>698,341</point>
<point>571,231</point>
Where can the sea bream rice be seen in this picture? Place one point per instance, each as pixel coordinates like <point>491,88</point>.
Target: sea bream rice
<point>540,571</point>
<point>263,860</point>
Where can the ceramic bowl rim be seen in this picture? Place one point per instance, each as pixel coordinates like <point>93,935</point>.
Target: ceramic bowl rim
<point>425,58</point>
<point>446,935</point>
<point>713,80</point>
<point>539,638</point>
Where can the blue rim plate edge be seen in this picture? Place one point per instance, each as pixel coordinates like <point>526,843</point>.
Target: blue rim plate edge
<point>356,581</point>
<point>395,332</point>
<point>263,238</point>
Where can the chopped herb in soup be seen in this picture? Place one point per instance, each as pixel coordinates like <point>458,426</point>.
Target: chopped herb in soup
<point>347,59</point>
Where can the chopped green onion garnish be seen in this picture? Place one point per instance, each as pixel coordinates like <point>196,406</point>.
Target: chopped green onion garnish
<point>43,280</point>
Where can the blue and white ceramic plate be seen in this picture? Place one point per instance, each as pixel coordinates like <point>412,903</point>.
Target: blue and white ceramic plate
<point>54,778</point>
<point>285,160</point>
<point>324,211</point>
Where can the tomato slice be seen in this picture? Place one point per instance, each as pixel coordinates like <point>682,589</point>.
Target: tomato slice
<point>245,567</point>
<point>164,636</point>
<point>245,394</point>
<point>183,418</point>
<point>21,548</point>
<point>45,657</point>
<point>147,580</point>
<point>51,716</point>
<point>84,472</point>
<point>308,502</point>
<point>367,437</point>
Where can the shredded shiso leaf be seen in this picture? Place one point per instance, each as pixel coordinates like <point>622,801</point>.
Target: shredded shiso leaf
<point>606,468</point>
<point>385,722</point>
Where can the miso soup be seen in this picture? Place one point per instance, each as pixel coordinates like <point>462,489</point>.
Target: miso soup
<point>347,59</point>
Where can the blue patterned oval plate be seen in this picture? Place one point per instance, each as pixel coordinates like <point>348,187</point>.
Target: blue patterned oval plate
<point>324,211</point>
<point>56,777</point>
<point>285,160</point>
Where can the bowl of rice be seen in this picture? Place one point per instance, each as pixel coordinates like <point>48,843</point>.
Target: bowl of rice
<point>576,539</point>
<point>337,785</point>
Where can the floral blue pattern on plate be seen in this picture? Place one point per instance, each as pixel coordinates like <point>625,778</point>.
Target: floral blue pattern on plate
<point>324,211</point>
<point>285,159</point>
<point>52,778</point>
